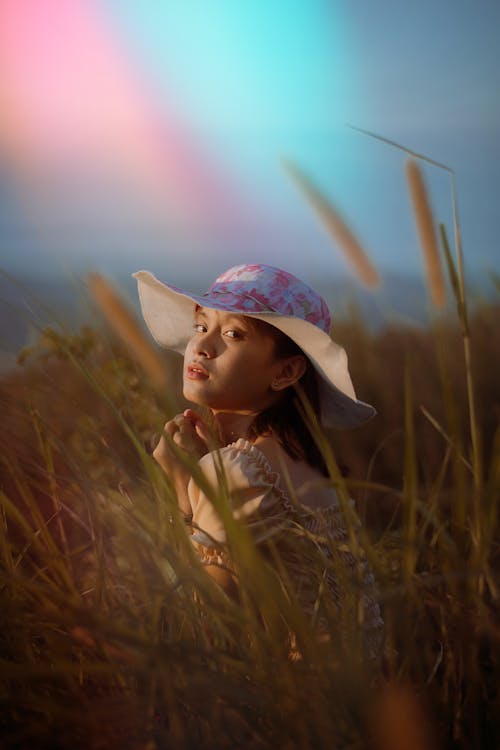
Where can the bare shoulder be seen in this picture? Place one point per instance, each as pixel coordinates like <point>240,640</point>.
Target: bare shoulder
<point>273,451</point>
<point>310,486</point>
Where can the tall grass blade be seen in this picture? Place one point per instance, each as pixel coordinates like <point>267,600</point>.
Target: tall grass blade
<point>406,150</point>
<point>127,328</point>
<point>425,226</point>
<point>410,482</point>
<point>335,226</point>
<point>454,281</point>
<point>458,286</point>
<point>447,438</point>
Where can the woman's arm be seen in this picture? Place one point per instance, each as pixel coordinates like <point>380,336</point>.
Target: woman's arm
<point>223,577</point>
<point>190,434</point>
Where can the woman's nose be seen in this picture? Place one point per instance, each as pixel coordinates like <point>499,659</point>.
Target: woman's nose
<point>205,345</point>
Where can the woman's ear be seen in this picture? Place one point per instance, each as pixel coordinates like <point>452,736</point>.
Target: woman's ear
<point>291,371</point>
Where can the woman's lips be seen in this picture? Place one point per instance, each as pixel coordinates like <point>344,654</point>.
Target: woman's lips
<point>196,372</point>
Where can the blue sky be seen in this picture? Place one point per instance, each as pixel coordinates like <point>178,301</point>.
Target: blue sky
<point>254,81</point>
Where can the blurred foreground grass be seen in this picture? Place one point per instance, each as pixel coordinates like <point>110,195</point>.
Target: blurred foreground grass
<point>111,635</point>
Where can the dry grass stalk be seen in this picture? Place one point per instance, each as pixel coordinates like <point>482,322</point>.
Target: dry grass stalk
<point>408,151</point>
<point>336,227</point>
<point>125,325</point>
<point>426,232</point>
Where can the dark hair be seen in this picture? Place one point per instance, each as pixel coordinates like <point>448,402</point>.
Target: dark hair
<point>285,418</point>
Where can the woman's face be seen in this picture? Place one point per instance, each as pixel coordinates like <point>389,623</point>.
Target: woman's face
<point>229,363</point>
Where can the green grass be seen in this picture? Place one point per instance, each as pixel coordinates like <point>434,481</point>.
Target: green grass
<point>112,635</point>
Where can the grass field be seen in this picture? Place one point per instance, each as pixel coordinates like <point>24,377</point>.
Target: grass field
<point>113,636</point>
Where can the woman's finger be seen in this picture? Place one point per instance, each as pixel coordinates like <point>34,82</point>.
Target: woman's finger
<point>192,415</point>
<point>202,431</point>
<point>188,432</point>
<point>200,426</point>
<point>179,439</point>
<point>171,428</point>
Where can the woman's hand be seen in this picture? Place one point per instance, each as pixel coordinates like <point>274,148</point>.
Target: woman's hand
<point>188,432</point>
<point>192,436</point>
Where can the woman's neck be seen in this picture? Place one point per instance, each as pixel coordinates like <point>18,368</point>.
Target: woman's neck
<point>232,426</point>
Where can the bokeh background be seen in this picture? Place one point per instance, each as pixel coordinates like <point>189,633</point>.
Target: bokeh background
<point>146,134</point>
<point>151,134</point>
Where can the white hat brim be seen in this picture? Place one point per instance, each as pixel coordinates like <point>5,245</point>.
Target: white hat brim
<point>168,312</point>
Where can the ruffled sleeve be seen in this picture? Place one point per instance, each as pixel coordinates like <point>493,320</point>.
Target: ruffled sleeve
<point>241,476</point>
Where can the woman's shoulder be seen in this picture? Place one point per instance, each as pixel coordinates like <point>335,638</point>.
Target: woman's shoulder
<point>305,485</point>
<point>262,483</point>
<point>265,459</point>
<point>243,474</point>
<point>240,462</point>
<point>300,489</point>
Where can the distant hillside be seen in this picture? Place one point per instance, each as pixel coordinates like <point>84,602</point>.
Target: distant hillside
<point>29,304</point>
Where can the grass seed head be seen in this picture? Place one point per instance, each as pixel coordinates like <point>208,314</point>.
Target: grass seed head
<point>427,233</point>
<point>335,226</point>
<point>127,328</point>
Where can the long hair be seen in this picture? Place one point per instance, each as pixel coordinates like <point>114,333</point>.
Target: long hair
<point>284,419</point>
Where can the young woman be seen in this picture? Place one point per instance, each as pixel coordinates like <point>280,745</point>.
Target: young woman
<point>251,344</point>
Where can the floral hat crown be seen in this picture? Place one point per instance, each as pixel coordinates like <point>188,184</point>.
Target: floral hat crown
<point>259,288</point>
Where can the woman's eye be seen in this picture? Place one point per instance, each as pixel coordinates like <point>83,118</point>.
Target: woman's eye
<point>199,327</point>
<point>232,333</point>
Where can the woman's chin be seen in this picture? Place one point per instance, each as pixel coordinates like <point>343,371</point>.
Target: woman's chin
<point>195,393</point>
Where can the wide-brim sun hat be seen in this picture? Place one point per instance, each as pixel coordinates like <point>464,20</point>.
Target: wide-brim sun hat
<point>275,297</point>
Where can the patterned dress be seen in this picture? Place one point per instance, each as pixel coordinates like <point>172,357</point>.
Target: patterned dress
<point>318,553</point>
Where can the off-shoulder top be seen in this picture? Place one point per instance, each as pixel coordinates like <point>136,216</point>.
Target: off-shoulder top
<point>272,516</point>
